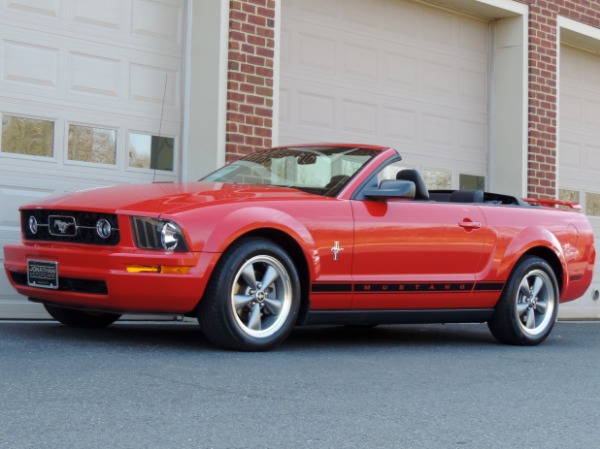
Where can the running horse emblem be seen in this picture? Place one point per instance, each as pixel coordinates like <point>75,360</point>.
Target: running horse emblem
<point>63,226</point>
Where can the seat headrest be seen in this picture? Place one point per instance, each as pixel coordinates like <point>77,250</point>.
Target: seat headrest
<point>421,192</point>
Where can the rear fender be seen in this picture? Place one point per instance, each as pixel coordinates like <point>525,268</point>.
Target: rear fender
<point>530,240</point>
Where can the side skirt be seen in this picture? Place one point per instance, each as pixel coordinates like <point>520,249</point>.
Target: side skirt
<point>362,317</point>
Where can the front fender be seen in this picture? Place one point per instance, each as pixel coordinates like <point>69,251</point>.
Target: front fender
<point>214,231</point>
<point>243,221</point>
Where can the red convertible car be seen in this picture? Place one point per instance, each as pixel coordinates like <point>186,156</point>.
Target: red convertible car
<point>301,235</point>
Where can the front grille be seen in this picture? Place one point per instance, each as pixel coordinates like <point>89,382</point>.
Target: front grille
<point>69,226</point>
<point>90,286</point>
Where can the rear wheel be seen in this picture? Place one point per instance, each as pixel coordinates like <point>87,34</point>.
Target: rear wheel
<point>81,318</point>
<point>526,311</point>
<point>252,300</point>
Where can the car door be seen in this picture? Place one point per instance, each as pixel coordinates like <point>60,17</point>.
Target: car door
<point>417,254</point>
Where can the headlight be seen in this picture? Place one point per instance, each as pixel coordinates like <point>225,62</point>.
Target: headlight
<point>169,236</point>
<point>152,233</point>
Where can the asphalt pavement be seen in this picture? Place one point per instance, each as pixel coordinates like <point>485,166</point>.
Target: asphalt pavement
<point>162,385</point>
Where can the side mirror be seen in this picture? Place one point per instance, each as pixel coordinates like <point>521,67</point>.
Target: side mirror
<point>392,188</point>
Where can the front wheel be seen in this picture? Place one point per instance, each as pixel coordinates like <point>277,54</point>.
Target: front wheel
<point>81,318</point>
<point>526,311</point>
<point>253,297</point>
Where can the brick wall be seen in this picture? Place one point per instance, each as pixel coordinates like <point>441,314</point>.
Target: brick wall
<point>250,81</point>
<point>250,76</point>
<point>543,87</point>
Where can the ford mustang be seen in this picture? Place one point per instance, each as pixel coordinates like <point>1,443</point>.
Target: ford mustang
<point>302,235</point>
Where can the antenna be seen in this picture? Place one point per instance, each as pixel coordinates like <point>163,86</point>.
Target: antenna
<point>162,111</point>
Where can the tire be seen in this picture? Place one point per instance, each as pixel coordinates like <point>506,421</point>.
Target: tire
<point>82,318</point>
<point>252,300</point>
<point>527,309</point>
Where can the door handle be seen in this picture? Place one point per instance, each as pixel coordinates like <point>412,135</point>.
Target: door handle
<point>468,224</point>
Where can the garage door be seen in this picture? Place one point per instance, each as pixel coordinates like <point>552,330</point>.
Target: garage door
<point>396,73</point>
<point>90,95</point>
<point>579,153</point>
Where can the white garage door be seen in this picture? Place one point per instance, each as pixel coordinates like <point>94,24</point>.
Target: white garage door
<point>389,72</point>
<point>83,87</point>
<point>579,153</point>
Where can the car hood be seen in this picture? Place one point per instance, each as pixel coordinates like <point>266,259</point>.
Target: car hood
<point>165,198</point>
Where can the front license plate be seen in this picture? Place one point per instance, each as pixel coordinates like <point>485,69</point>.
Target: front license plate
<point>42,273</point>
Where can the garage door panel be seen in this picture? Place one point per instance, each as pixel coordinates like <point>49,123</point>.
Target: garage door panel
<point>400,18</point>
<point>400,70</point>
<point>107,15</point>
<point>439,25</point>
<point>571,109</point>
<point>579,153</point>
<point>469,36</point>
<point>44,8</point>
<point>400,125</point>
<point>30,64</point>
<point>438,130</point>
<point>316,52</point>
<point>472,85</point>
<point>158,22</point>
<point>592,157</point>
<point>361,61</point>
<point>592,112</point>
<point>472,137</point>
<point>317,10</point>
<point>94,75</point>
<point>359,12</point>
<point>437,77</point>
<point>592,74</point>
<point>570,156</point>
<point>315,110</point>
<point>156,86</point>
<point>359,118</point>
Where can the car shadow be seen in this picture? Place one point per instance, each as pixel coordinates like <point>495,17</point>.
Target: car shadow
<point>406,335</point>
<point>187,336</point>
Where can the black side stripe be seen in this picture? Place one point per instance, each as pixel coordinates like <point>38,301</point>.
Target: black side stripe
<point>331,288</point>
<point>489,287</point>
<point>407,287</point>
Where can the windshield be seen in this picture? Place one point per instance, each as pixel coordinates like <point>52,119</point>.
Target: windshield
<point>320,170</point>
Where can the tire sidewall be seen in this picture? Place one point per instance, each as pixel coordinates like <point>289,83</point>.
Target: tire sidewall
<point>510,330</point>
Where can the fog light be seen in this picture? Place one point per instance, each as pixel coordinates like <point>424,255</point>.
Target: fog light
<point>103,228</point>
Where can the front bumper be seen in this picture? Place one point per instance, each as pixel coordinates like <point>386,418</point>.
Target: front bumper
<point>97,278</point>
